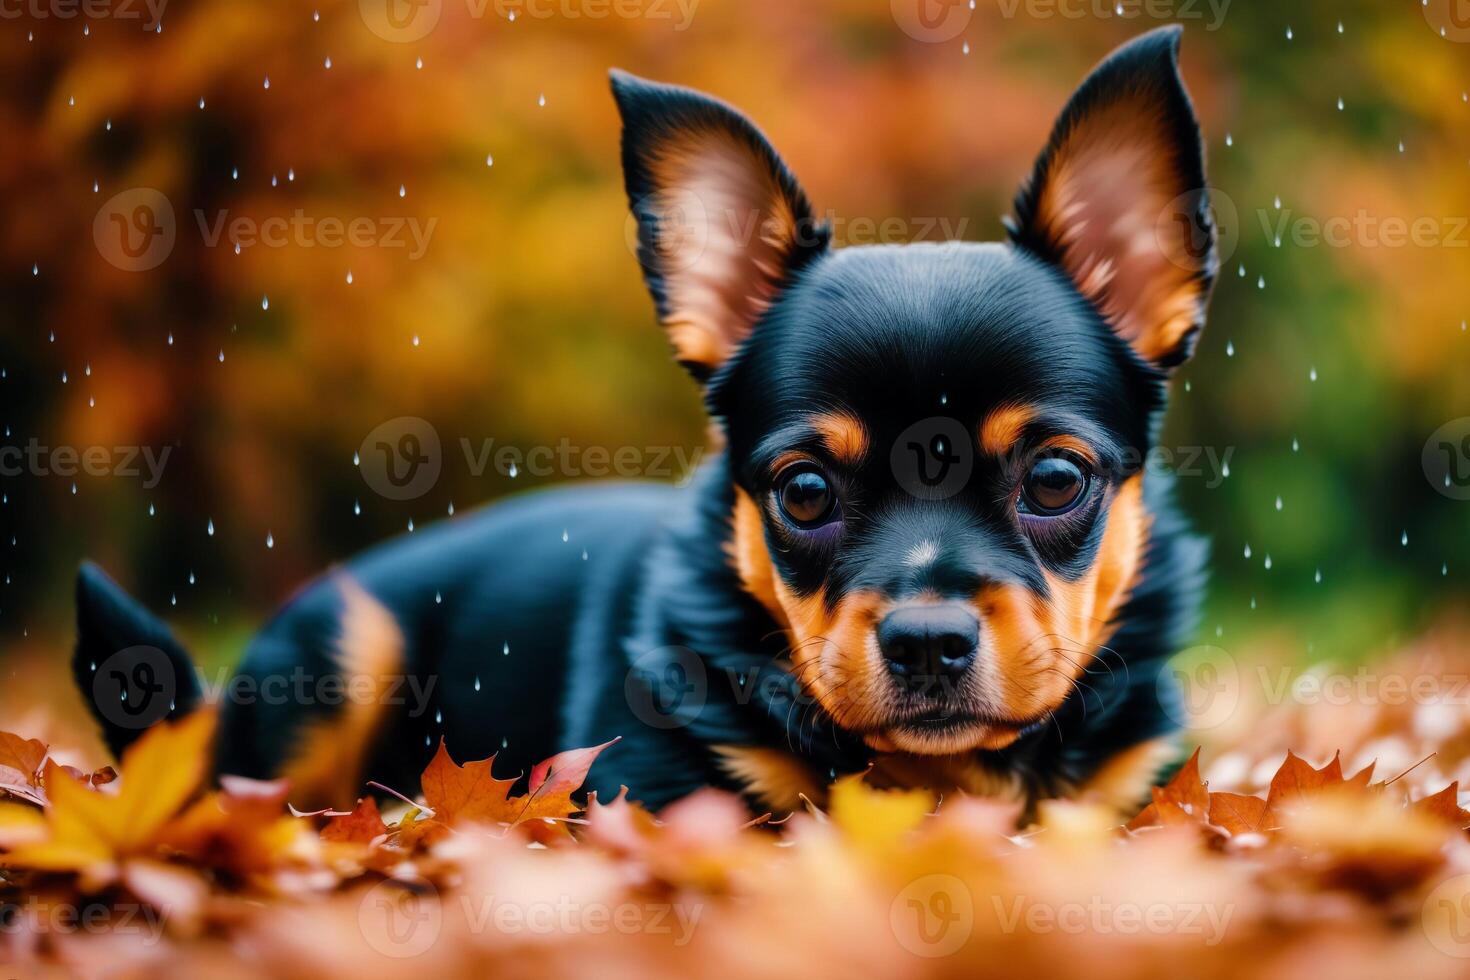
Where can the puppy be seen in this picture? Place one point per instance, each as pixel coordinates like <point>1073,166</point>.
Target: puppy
<point>926,548</point>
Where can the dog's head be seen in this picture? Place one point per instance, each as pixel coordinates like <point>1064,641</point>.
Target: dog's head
<point>937,449</point>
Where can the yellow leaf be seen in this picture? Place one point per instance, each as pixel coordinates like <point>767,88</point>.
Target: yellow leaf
<point>876,818</point>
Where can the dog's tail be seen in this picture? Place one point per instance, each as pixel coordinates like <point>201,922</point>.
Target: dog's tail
<point>130,670</point>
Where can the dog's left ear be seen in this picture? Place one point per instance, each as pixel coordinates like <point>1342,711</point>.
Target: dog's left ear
<point>722,225</point>
<point>1118,200</point>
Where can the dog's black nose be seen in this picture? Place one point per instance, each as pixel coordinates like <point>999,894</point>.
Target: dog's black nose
<point>928,645</point>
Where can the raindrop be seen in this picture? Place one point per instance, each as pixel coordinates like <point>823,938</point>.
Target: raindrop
<point>265,302</point>
<point>1277,202</point>
<point>1339,103</point>
<point>210,528</point>
<point>1278,502</point>
<point>504,743</point>
<point>402,190</point>
<point>564,537</point>
<point>584,554</point>
<point>541,100</point>
<point>234,173</point>
<point>512,472</point>
<point>438,716</point>
<point>505,649</point>
<point>170,338</point>
<point>270,540</point>
<point>1401,146</point>
<point>1296,445</point>
<point>1318,577</point>
<point>1288,34</point>
<point>349,277</point>
<point>1247,549</point>
<point>267,81</point>
<point>201,102</point>
<point>1229,348</point>
<point>451,508</point>
<point>222,355</point>
<point>489,160</point>
<point>151,510</point>
<point>1261,282</point>
<point>357,507</point>
<point>477,682</point>
<point>419,64</point>
<point>1339,27</point>
<point>1312,374</point>
<point>438,597</point>
<point>356,459</point>
<point>1404,538</point>
<point>415,340</point>
<point>965,48</point>
<point>1242,270</point>
<point>327,62</point>
<point>290,173</point>
<point>191,578</point>
<point>410,525</point>
<point>1229,140</point>
<point>1444,569</point>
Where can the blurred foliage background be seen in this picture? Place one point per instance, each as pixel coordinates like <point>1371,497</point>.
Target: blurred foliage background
<point>1324,370</point>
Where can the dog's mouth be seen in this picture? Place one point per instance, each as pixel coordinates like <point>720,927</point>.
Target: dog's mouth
<point>949,731</point>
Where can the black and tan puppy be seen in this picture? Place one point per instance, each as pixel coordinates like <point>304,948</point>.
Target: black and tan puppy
<point>927,544</point>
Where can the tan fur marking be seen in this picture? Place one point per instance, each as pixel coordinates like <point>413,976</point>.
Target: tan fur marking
<point>1123,781</point>
<point>843,435</point>
<point>327,768</point>
<point>1003,427</point>
<point>1040,648</point>
<point>747,550</point>
<point>778,779</point>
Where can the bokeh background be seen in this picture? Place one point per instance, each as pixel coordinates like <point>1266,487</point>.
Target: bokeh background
<point>1325,368</point>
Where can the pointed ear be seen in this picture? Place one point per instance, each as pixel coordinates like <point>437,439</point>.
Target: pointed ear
<point>1118,200</point>
<point>721,224</point>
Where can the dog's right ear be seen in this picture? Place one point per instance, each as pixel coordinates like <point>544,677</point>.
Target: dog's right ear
<point>721,224</point>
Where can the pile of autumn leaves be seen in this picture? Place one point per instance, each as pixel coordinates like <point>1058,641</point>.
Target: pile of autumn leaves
<point>151,871</point>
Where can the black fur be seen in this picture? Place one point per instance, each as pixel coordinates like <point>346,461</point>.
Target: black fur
<point>613,597</point>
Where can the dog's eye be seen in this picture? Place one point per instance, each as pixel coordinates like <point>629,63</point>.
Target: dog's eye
<point>805,496</point>
<point>1053,486</point>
